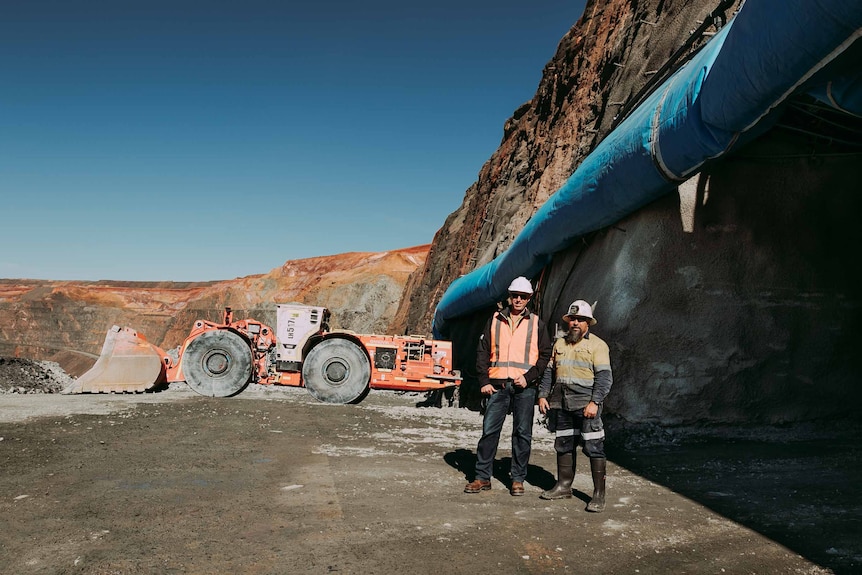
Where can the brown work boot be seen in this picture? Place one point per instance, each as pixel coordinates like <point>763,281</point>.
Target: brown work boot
<point>477,486</point>
<point>517,488</point>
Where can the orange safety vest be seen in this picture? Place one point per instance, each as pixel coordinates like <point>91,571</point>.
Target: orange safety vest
<point>512,354</point>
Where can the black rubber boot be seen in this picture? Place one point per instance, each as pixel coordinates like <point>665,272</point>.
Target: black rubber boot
<point>599,467</point>
<point>565,476</point>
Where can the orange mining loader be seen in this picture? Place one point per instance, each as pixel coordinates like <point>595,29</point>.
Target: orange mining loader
<point>221,359</point>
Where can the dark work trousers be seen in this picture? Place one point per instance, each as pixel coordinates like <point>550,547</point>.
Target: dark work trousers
<point>521,402</point>
<point>571,428</point>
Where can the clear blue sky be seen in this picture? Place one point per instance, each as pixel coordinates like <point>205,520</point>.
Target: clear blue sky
<point>187,141</point>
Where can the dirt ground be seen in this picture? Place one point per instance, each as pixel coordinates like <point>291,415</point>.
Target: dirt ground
<point>273,482</point>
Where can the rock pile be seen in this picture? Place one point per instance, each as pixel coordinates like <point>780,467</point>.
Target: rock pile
<point>19,375</point>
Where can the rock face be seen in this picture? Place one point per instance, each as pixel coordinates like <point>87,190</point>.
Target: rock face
<point>66,321</point>
<point>736,299</point>
<point>612,53</point>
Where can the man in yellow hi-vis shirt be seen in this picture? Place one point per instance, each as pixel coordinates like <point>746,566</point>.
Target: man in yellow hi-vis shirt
<point>573,388</point>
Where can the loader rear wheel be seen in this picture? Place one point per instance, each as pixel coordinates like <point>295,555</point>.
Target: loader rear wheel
<point>337,371</point>
<point>217,363</point>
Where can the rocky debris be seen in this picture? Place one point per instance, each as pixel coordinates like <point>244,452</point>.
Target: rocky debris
<point>20,375</point>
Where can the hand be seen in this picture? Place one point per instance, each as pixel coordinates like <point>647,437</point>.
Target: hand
<point>544,406</point>
<point>487,389</point>
<point>519,381</point>
<point>591,410</point>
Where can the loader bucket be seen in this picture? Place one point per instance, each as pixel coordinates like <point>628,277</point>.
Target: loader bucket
<point>128,363</point>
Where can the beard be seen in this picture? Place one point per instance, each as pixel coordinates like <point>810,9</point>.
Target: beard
<point>573,336</point>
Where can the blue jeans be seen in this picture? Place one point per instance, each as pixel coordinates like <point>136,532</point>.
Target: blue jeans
<point>522,402</point>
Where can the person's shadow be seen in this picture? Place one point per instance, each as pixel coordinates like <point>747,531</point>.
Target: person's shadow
<point>464,461</point>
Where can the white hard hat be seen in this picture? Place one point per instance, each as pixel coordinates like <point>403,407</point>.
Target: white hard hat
<point>521,285</point>
<point>580,308</point>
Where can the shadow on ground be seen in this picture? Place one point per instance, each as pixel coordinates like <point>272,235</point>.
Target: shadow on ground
<point>464,461</point>
<point>796,485</point>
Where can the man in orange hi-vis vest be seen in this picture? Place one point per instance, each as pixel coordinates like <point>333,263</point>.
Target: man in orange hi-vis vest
<point>511,358</point>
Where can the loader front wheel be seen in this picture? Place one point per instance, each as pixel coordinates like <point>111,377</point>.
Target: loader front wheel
<point>217,363</point>
<point>337,371</point>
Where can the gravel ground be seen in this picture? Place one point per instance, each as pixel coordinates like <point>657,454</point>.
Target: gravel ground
<point>273,482</point>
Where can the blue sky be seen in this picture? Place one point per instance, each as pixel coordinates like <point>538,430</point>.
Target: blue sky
<point>191,141</point>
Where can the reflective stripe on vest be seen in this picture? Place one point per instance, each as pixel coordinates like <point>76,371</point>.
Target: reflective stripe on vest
<point>576,372</point>
<point>512,354</point>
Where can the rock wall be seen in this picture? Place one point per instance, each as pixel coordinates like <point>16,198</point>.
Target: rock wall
<point>734,300</point>
<point>614,52</point>
<point>745,308</point>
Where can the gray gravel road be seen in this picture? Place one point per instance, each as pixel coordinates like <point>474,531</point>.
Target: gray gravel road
<point>273,482</point>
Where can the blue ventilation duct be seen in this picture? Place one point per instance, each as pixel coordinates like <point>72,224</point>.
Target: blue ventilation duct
<point>722,98</point>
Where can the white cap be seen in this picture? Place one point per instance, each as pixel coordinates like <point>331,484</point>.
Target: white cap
<point>521,285</point>
<point>580,308</point>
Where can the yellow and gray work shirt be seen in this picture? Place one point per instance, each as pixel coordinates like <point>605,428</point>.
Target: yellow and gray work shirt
<point>577,373</point>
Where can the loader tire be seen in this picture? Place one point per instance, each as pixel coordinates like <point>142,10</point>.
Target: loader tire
<point>217,363</point>
<point>337,371</point>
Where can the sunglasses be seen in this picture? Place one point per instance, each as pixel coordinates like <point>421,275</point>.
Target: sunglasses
<point>523,296</point>
<point>581,319</point>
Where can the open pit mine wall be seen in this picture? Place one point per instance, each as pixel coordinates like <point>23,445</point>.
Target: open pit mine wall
<point>66,321</point>
<point>726,286</point>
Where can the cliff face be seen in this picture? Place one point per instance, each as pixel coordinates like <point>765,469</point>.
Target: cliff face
<point>616,49</point>
<point>732,300</point>
<point>66,321</point>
